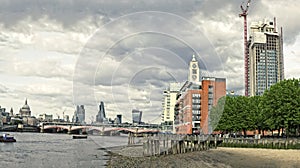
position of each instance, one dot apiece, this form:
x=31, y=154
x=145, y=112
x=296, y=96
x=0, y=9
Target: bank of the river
x=221, y=157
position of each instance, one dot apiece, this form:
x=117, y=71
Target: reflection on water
x=6, y=147
x=56, y=150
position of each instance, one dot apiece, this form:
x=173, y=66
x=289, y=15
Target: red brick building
x=194, y=102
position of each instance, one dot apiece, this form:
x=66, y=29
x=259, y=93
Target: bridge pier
x=69, y=130
x=42, y=128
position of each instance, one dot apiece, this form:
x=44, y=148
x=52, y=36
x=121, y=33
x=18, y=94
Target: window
x=194, y=71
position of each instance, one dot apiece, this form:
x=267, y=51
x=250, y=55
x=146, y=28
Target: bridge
x=103, y=129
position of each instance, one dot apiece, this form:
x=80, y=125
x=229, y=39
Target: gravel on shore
x=222, y=157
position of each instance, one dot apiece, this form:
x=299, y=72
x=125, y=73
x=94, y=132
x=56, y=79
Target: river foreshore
x=220, y=157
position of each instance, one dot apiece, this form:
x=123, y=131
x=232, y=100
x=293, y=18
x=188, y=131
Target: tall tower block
x=265, y=56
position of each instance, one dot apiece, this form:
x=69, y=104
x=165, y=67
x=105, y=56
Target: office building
x=265, y=56
x=79, y=115
x=101, y=116
x=119, y=119
x=136, y=116
x=169, y=100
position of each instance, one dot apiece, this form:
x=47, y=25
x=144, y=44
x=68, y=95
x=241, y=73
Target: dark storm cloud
x=134, y=56
x=69, y=12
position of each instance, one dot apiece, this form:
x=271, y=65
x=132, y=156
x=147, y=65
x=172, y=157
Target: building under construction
x=265, y=56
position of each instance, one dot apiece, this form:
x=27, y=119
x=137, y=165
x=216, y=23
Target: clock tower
x=194, y=70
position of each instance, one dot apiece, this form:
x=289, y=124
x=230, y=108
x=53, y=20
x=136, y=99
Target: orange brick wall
x=219, y=90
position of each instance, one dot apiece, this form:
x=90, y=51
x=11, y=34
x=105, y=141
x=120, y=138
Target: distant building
x=75, y=117
x=30, y=121
x=168, y=104
x=66, y=118
x=231, y=93
x=45, y=117
x=11, y=113
x=119, y=119
x=4, y=116
x=25, y=110
x=79, y=115
x=2, y=110
x=136, y=116
x=101, y=117
x=265, y=57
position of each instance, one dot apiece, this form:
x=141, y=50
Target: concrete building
x=265, y=56
x=101, y=116
x=25, y=110
x=169, y=100
x=136, y=116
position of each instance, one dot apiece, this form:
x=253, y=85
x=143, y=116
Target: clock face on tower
x=194, y=65
x=194, y=76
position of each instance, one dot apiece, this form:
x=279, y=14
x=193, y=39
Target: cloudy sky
x=62, y=53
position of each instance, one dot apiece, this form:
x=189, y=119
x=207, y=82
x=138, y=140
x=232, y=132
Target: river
x=56, y=150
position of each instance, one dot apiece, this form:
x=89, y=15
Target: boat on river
x=6, y=138
x=79, y=136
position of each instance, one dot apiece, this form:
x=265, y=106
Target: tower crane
x=246, y=58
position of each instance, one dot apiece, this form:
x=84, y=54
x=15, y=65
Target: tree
x=281, y=106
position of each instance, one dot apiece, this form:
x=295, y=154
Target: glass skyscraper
x=79, y=115
x=136, y=116
x=101, y=117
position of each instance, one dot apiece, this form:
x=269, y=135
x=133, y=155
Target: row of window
x=196, y=101
x=196, y=106
x=196, y=111
x=196, y=95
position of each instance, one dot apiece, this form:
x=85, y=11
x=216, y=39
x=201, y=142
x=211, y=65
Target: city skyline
x=41, y=44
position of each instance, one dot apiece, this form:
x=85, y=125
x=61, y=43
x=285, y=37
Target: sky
x=59, y=54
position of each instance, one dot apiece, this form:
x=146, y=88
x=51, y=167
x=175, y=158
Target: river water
x=56, y=150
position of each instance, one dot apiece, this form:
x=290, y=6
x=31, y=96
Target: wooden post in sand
x=167, y=147
x=129, y=140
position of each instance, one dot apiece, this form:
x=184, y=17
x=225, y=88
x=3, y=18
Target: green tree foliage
x=281, y=106
x=278, y=108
